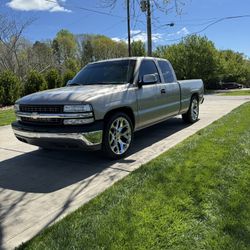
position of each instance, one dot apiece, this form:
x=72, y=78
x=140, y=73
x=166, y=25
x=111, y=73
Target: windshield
x=110, y=72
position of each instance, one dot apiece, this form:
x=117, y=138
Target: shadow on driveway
x=43, y=172
x=47, y=171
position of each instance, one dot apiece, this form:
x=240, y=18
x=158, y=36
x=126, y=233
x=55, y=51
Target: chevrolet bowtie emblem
x=34, y=115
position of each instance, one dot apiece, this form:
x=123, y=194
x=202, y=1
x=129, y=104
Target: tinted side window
x=166, y=71
x=148, y=67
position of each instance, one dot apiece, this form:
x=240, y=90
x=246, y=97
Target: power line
x=209, y=25
x=213, y=20
x=136, y=19
x=86, y=9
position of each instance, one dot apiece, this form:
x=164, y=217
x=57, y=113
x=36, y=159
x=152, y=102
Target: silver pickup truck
x=105, y=103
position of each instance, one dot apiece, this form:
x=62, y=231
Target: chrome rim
x=195, y=109
x=120, y=135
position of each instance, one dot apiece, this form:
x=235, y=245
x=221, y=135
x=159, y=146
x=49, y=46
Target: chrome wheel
x=119, y=135
x=195, y=109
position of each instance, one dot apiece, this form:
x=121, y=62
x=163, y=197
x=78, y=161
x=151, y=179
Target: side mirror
x=69, y=82
x=148, y=79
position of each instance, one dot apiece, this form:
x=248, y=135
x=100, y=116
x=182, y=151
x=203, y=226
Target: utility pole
x=149, y=30
x=145, y=7
x=128, y=19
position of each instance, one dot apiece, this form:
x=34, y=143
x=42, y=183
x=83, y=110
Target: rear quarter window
x=166, y=72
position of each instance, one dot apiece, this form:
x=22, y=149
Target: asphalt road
x=39, y=187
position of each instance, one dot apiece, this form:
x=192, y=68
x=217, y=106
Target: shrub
x=1, y=95
x=72, y=64
x=53, y=79
x=10, y=88
x=68, y=75
x=35, y=82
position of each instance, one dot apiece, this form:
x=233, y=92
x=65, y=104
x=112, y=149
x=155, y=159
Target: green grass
x=195, y=196
x=7, y=117
x=237, y=93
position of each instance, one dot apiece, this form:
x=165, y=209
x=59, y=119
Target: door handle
x=163, y=91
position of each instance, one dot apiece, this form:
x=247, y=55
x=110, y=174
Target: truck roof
x=128, y=58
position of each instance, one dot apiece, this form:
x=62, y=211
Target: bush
x=68, y=75
x=1, y=95
x=72, y=64
x=35, y=82
x=53, y=79
x=10, y=88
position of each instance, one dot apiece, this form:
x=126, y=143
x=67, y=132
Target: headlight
x=77, y=108
x=16, y=107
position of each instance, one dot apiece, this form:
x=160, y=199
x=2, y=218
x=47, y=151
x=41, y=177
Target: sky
x=92, y=17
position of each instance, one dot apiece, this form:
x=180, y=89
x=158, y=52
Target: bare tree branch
x=10, y=35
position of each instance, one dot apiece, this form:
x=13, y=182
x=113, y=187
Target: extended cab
x=105, y=103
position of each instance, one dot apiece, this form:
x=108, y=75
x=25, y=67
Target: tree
x=88, y=53
x=99, y=47
x=105, y=48
x=138, y=48
x=10, y=88
x=56, y=52
x=64, y=46
x=194, y=57
x=164, y=6
x=53, y=79
x=247, y=67
x=35, y=82
x=235, y=67
x=11, y=32
x=37, y=56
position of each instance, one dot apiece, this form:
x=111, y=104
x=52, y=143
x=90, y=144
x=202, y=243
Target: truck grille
x=42, y=121
x=50, y=109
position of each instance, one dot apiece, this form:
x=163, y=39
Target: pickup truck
x=105, y=103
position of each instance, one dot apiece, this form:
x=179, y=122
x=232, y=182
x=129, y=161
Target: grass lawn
x=195, y=196
x=237, y=93
x=7, y=117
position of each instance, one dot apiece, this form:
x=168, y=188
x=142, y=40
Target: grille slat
x=42, y=121
x=51, y=109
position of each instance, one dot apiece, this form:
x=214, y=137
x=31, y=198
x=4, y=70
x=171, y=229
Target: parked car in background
x=105, y=103
x=231, y=85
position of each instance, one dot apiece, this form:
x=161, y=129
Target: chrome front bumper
x=86, y=140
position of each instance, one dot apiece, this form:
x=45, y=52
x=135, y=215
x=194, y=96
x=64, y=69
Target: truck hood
x=71, y=95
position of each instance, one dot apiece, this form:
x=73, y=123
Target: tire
x=192, y=115
x=117, y=136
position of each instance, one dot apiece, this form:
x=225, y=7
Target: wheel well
x=128, y=111
x=195, y=95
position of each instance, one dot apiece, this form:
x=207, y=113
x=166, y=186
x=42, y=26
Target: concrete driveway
x=38, y=187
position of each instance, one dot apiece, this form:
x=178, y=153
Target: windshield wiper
x=95, y=83
x=74, y=84
x=109, y=83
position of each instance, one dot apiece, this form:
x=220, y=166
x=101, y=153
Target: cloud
x=37, y=5
x=138, y=35
x=182, y=32
x=157, y=38
x=117, y=39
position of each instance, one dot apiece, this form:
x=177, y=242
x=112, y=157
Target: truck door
x=148, y=94
x=169, y=100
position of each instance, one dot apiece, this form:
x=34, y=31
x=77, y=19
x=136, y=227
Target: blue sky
x=53, y=15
